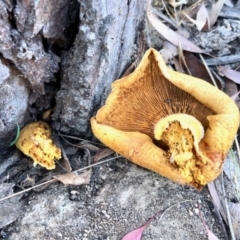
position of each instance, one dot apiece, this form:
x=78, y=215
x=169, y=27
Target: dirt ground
x=119, y=198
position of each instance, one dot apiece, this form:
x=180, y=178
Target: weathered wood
x=102, y=49
x=27, y=31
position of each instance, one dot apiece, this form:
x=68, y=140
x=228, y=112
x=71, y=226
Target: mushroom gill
x=141, y=99
x=174, y=124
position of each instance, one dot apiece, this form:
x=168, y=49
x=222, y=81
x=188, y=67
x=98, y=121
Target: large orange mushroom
x=176, y=125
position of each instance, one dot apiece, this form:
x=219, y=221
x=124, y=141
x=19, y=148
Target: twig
x=209, y=72
x=218, y=206
x=219, y=79
x=223, y=60
x=237, y=146
x=221, y=221
x=216, y=200
x=174, y=206
x=80, y=139
x=165, y=18
x=230, y=12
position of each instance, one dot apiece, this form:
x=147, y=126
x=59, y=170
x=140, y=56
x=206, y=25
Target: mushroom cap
x=35, y=141
x=145, y=100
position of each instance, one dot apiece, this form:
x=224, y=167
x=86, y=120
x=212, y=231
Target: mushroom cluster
x=35, y=141
x=176, y=125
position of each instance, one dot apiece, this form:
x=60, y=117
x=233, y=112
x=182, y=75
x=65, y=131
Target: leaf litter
x=74, y=178
x=9, y=196
x=202, y=18
x=171, y=35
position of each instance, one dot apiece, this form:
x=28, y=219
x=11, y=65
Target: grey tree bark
x=103, y=47
x=62, y=53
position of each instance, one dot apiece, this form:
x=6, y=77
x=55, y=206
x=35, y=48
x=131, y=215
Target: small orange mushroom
x=35, y=141
x=176, y=125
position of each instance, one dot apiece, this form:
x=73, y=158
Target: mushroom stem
x=182, y=133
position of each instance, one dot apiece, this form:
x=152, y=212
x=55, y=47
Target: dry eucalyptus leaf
x=230, y=73
x=172, y=36
x=75, y=179
x=214, y=13
x=90, y=146
x=64, y=162
x=231, y=89
x=197, y=69
x=211, y=235
x=102, y=153
x=202, y=18
x=199, y=23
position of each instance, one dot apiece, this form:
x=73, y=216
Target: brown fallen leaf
x=74, y=179
x=102, y=153
x=64, y=162
x=230, y=73
x=197, y=69
x=172, y=36
x=231, y=89
x=202, y=18
x=189, y=11
x=89, y=146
